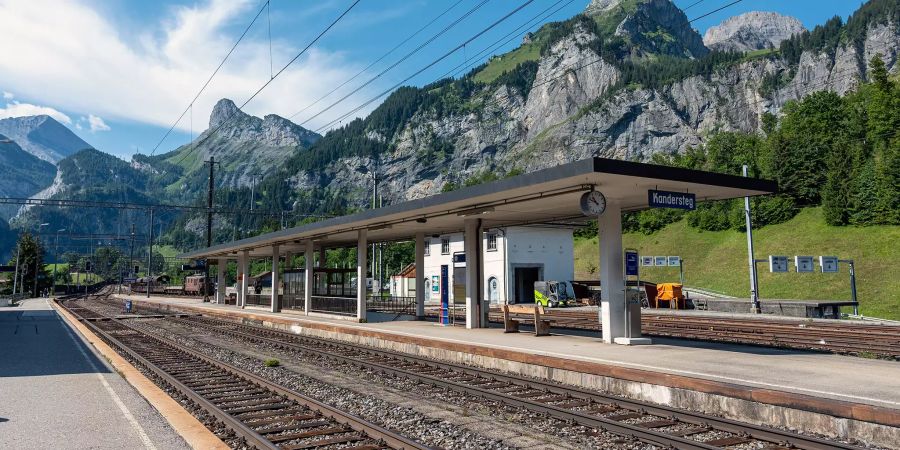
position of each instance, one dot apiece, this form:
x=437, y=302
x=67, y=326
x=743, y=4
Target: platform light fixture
x=475, y=211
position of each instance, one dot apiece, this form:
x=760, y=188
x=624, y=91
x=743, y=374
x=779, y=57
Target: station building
x=512, y=258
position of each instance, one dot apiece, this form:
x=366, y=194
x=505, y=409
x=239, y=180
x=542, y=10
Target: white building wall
x=551, y=249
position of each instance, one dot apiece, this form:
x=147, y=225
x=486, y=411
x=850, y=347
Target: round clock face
x=593, y=203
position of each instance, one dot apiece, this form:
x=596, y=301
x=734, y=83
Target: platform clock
x=593, y=203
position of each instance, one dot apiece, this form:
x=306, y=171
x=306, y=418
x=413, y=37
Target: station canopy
x=548, y=197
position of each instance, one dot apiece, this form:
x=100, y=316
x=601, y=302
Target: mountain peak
x=755, y=30
x=650, y=26
x=224, y=110
x=601, y=6
x=42, y=136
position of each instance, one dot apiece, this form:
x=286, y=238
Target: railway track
x=653, y=424
x=855, y=339
x=265, y=415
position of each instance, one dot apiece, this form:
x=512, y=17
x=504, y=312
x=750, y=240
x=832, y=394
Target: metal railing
x=293, y=301
x=259, y=299
x=345, y=306
x=391, y=304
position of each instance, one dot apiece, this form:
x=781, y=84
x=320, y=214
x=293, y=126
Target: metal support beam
x=361, y=270
x=276, y=280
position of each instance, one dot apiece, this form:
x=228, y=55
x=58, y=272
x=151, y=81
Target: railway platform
x=797, y=389
x=55, y=392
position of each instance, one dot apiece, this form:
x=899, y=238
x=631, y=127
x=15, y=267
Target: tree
x=799, y=147
x=31, y=263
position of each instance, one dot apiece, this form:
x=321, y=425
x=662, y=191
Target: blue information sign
x=666, y=199
x=445, y=295
x=631, y=263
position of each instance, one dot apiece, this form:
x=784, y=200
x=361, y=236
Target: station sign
x=829, y=264
x=804, y=264
x=660, y=261
x=667, y=199
x=631, y=263
x=778, y=264
x=647, y=261
x=674, y=261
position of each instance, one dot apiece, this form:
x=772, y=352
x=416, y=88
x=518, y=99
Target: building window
x=493, y=288
x=427, y=247
x=492, y=242
x=445, y=246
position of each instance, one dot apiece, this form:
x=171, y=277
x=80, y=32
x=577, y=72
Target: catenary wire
x=385, y=55
x=208, y=80
x=266, y=84
x=398, y=62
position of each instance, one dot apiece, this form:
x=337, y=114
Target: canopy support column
x=243, y=274
x=474, y=305
x=220, y=280
x=612, y=279
x=361, y=269
x=276, y=280
x=308, y=255
x=420, y=275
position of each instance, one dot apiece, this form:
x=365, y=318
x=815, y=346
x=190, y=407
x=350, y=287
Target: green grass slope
x=718, y=260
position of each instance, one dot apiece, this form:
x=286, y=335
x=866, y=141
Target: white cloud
x=16, y=109
x=68, y=54
x=8, y=95
x=97, y=123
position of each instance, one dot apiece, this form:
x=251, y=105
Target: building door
x=525, y=278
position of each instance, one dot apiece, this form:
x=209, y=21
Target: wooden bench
x=536, y=313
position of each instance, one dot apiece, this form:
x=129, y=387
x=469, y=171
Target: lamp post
x=36, y=257
x=56, y=259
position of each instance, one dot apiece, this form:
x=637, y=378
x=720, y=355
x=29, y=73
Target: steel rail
x=242, y=430
x=358, y=424
x=740, y=428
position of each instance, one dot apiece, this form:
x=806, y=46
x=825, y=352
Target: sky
x=120, y=73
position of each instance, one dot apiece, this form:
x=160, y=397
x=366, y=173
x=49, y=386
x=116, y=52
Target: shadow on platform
x=38, y=343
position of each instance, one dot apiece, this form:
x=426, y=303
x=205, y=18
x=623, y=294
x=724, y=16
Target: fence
x=259, y=299
x=333, y=305
x=293, y=301
x=391, y=304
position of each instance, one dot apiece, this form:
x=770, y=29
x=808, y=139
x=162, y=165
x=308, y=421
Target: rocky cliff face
x=570, y=114
x=752, y=31
x=43, y=137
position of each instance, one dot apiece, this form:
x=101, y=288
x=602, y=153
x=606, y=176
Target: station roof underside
x=545, y=197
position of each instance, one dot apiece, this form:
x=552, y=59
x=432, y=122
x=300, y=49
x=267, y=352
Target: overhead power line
x=538, y=19
x=65, y=203
x=208, y=80
x=373, y=63
x=715, y=11
x=269, y=81
x=692, y=5
x=398, y=62
x=429, y=65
